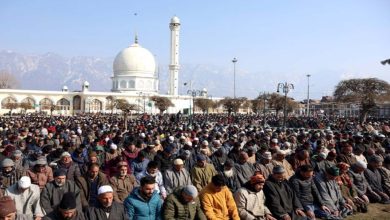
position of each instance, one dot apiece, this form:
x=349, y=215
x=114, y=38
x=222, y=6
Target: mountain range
x=51, y=71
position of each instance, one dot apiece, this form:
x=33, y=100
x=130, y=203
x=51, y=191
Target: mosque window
x=123, y=84
x=132, y=84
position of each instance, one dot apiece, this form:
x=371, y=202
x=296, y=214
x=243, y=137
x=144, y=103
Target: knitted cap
x=68, y=201
x=191, y=191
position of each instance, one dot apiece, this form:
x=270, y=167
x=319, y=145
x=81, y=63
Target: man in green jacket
x=183, y=204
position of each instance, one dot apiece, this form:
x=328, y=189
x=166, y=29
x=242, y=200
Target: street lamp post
x=286, y=87
x=194, y=93
x=265, y=99
x=234, y=79
x=308, y=95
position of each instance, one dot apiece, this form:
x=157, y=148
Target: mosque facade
x=135, y=79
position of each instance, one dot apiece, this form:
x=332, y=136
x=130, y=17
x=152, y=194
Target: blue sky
x=275, y=40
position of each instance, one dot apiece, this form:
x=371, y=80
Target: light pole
x=308, y=95
x=285, y=88
x=194, y=93
x=265, y=99
x=234, y=79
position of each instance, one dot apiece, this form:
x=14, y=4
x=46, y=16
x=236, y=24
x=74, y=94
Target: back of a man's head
x=147, y=180
x=218, y=180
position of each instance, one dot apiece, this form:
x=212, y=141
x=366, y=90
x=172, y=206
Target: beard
x=228, y=173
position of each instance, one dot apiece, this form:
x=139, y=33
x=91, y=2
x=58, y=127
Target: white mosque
x=134, y=79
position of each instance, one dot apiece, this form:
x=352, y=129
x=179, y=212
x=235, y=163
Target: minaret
x=174, y=65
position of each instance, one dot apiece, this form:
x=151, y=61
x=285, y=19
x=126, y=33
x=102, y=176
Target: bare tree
x=368, y=92
x=204, y=104
x=25, y=106
x=162, y=103
x=126, y=109
x=7, y=80
x=232, y=104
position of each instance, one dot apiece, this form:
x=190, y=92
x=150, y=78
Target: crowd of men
x=215, y=167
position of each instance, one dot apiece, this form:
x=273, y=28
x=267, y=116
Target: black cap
x=278, y=170
x=59, y=172
x=68, y=201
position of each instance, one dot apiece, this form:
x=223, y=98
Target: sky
x=274, y=41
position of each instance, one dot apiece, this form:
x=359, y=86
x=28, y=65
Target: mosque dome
x=175, y=20
x=134, y=60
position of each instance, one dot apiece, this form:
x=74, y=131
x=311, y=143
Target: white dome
x=134, y=60
x=175, y=20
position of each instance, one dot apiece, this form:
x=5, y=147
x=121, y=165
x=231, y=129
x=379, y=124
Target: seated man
x=177, y=176
x=374, y=178
x=67, y=209
x=144, y=202
x=52, y=193
x=152, y=170
x=23, y=192
x=303, y=184
x=202, y=173
x=250, y=200
x=331, y=195
x=122, y=183
x=217, y=200
x=105, y=207
x=183, y=204
x=280, y=197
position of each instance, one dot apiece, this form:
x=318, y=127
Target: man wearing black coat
x=281, y=198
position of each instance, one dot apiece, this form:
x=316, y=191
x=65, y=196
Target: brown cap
x=122, y=163
x=7, y=206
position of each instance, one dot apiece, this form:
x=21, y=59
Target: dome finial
x=136, y=38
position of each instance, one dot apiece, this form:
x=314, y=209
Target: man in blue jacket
x=144, y=203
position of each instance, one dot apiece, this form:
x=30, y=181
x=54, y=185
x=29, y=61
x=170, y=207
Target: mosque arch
x=95, y=105
x=77, y=103
x=9, y=103
x=110, y=103
x=27, y=103
x=46, y=104
x=63, y=104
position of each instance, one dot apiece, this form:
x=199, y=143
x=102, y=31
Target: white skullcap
x=274, y=140
x=113, y=147
x=24, y=182
x=205, y=142
x=361, y=164
x=65, y=154
x=105, y=189
x=171, y=138
x=189, y=143
x=283, y=152
x=178, y=161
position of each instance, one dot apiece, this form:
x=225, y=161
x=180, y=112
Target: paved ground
x=375, y=212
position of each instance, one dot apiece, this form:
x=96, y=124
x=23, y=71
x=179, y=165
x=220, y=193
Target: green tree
x=162, y=103
x=367, y=92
